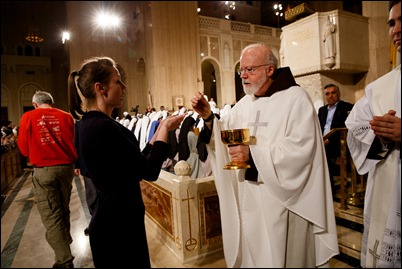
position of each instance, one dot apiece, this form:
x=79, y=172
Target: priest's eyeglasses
x=249, y=70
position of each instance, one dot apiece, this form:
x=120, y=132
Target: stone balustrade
x=11, y=167
x=184, y=213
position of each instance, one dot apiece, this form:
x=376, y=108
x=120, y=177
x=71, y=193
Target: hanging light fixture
x=229, y=6
x=278, y=11
x=33, y=36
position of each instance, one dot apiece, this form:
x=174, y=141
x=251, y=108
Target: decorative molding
x=298, y=11
x=158, y=206
x=210, y=221
x=178, y=101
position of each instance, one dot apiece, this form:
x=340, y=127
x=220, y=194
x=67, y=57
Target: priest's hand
x=239, y=153
x=387, y=127
x=201, y=105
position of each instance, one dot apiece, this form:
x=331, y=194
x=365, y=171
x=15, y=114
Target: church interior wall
x=171, y=62
x=314, y=85
x=309, y=36
x=125, y=44
x=326, y=5
x=379, y=42
x=301, y=47
x=352, y=60
x=353, y=41
x=247, y=11
x=174, y=43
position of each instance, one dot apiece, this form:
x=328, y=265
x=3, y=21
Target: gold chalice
x=232, y=138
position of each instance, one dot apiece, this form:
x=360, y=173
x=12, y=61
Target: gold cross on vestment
x=374, y=253
x=257, y=123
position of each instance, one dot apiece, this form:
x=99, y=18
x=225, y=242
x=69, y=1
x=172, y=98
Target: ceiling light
x=35, y=38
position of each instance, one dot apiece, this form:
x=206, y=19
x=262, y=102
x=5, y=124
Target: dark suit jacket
x=341, y=113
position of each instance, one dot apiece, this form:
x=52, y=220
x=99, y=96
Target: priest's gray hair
x=271, y=59
x=42, y=97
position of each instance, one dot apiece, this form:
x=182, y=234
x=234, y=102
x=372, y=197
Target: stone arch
x=28, y=50
x=210, y=70
x=20, y=50
x=5, y=101
x=238, y=84
x=26, y=92
x=37, y=51
x=5, y=95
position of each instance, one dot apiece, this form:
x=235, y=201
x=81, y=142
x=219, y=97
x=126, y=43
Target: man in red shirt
x=46, y=137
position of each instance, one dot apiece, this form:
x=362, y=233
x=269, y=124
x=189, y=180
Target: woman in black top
x=115, y=163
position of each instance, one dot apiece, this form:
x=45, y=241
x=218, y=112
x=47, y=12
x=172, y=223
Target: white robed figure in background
x=278, y=213
x=382, y=205
x=374, y=139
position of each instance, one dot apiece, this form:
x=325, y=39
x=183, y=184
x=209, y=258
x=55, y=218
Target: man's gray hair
x=271, y=59
x=41, y=97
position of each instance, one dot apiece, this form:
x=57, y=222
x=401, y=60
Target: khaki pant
x=52, y=189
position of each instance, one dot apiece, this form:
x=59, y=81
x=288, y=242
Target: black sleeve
x=376, y=151
x=173, y=145
x=252, y=172
x=76, y=144
x=206, y=133
x=202, y=150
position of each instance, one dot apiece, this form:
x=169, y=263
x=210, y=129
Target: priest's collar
x=282, y=80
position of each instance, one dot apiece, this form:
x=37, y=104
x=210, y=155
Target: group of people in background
x=9, y=135
x=277, y=213
x=184, y=143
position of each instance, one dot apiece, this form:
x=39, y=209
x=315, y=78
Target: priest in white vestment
x=374, y=137
x=279, y=212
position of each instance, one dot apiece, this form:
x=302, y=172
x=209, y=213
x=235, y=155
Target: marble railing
x=11, y=167
x=236, y=27
x=184, y=213
x=346, y=164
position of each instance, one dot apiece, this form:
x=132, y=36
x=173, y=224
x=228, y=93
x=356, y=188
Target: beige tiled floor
x=23, y=243
x=161, y=257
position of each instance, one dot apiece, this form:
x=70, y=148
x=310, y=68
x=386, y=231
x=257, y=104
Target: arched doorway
x=4, y=103
x=210, y=79
x=239, y=86
x=26, y=93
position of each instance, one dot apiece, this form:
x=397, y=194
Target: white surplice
x=137, y=128
x=144, y=132
x=381, y=244
x=193, y=159
x=293, y=177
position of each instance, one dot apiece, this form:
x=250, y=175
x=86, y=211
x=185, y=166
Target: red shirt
x=46, y=137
